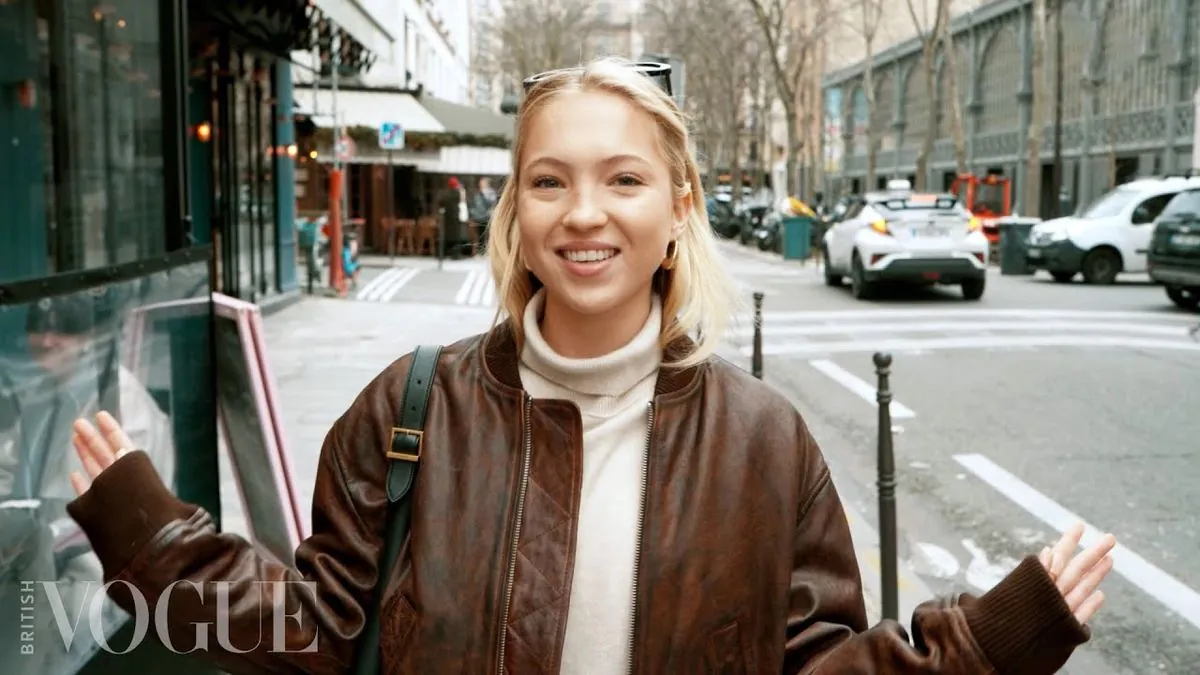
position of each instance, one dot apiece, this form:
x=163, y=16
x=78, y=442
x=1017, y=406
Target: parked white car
x=1110, y=236
x=901, y=236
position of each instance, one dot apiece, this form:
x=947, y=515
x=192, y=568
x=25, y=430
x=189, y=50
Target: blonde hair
x=698, y=293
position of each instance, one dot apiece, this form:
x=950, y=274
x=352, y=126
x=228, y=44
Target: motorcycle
x=768, y=235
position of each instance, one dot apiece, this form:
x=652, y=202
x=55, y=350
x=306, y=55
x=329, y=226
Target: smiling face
x=596, y=204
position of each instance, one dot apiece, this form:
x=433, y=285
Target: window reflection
x=101, y=121
x=115, y=348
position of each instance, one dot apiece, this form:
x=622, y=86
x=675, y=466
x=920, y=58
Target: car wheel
x=1184, y=298
x=972, y=289
x=860, y=288
x=832, y=277
x=1063, y=277
x=1101, y=266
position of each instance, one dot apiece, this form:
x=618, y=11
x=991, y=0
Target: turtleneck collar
x=612, y=374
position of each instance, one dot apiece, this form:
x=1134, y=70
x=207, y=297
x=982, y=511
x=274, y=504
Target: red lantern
x=26, y=94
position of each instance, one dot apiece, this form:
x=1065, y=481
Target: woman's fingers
x=1089, y=608
x=1083, y=564
x=1064, y=550
x=1087, y=585
x=79, y=483
x=113, y=433
x=95, y=443
x=90, y=464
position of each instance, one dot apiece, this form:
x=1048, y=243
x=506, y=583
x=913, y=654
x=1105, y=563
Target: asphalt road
x=1013, y=416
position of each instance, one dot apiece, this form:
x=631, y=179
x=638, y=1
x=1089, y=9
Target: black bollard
x=756, y=360
x=887, y=491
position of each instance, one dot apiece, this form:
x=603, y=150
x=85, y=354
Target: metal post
x=336, y=184
x=756, y=363
x=394, y=229
x=887, y=490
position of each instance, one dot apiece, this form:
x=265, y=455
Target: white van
x=1109, y=236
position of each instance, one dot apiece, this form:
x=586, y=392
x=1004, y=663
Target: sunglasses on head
x=659, y=73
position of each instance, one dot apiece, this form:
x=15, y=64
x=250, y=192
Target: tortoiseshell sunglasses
x=660, y=73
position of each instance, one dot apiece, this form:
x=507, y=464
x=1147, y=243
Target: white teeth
x=589, y=256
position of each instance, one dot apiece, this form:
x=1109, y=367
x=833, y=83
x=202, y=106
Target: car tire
x=972, y=289
x=832, y=277
x=860, y=288
x=1063, y=277
x=1184, y=298
x=1100, y=266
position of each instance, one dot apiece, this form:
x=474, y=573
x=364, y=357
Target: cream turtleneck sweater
x=613, y=393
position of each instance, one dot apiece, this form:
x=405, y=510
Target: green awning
x=469, y=120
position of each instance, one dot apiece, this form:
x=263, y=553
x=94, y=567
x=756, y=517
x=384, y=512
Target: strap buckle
x=406, y=444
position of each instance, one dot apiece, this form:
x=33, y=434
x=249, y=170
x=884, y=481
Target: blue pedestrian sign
x=391, y=136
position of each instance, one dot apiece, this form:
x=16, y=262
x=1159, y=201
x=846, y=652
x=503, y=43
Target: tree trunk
x=956, y=116
x=872, y=133
x=1033, y=142
x=926, y=152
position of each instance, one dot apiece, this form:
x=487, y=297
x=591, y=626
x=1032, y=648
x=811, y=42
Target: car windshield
x=1109, y=204
x=1187, y=201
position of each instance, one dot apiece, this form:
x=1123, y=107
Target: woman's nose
x=586, y=211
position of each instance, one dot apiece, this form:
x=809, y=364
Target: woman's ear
x=682, y=209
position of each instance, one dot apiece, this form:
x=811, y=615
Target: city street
x=1015, y=415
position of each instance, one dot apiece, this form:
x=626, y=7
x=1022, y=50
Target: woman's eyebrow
x=559, y=163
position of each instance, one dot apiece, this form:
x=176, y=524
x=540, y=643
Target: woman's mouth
x=589, y=256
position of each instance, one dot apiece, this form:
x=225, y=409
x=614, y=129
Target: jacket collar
x=501, y=361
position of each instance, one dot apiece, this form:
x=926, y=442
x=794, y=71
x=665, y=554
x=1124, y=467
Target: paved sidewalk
x=324, y=351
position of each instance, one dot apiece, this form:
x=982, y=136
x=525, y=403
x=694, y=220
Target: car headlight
x=1058, y=235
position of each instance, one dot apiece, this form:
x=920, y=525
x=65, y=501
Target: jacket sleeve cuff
x=126, y=506
x=1024, y=619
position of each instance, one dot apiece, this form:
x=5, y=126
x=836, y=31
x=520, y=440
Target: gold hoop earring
x=668, y=262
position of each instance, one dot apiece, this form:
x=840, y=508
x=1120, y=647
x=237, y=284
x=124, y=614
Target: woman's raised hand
x=1078, y=576
x=98, y=448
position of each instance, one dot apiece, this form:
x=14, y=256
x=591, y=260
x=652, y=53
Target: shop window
x=139, y=349
x=101, y=125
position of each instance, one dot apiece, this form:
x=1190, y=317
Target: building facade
x=147, y=161
x=1130, y=70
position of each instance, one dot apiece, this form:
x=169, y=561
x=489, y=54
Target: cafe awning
x=365, y=108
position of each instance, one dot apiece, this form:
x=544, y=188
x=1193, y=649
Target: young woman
x=598, y=493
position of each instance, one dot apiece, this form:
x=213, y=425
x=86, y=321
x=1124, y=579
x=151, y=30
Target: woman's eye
x=545, y=182
x=628, y=179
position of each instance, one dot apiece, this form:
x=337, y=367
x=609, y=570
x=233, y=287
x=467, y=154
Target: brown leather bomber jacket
x=746, y=563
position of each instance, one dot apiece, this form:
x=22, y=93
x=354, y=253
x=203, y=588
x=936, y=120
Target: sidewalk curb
x=911, y=589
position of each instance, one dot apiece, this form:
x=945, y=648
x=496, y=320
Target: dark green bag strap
x=404, y=454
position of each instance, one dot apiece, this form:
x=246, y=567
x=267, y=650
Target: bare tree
x=718, y=49
x=929, y=37
x=531, y=36
x=1033, y=141
x=950, y=68
x=791, y=30
x=866, y=23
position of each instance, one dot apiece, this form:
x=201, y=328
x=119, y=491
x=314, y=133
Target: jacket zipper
x=641, y=527
x=527, y=436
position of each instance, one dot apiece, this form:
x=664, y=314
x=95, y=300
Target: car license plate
x=1185, y=240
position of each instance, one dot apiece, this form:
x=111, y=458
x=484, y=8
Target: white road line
x=481, y=282
x=370, y=287
x=489, y=291
x=850, y=314
x=1156, y=583
x=858, y=387
x=394, y=288
x=835, y=328
x=465, y=289
x=977, y=342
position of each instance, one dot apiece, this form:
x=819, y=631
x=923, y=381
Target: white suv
x=1109, y=236
x=901, y=236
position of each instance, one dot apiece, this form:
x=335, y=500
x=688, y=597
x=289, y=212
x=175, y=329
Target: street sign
x=391, y=136
x=345, y=148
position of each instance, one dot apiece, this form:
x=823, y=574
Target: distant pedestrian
x=598, y=493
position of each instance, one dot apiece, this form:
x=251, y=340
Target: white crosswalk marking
x=477, y=289
x=386, y=286
x=818, y=334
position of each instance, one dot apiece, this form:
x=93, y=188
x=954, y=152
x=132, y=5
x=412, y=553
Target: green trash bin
x=1014, y=236
x=797, y=236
